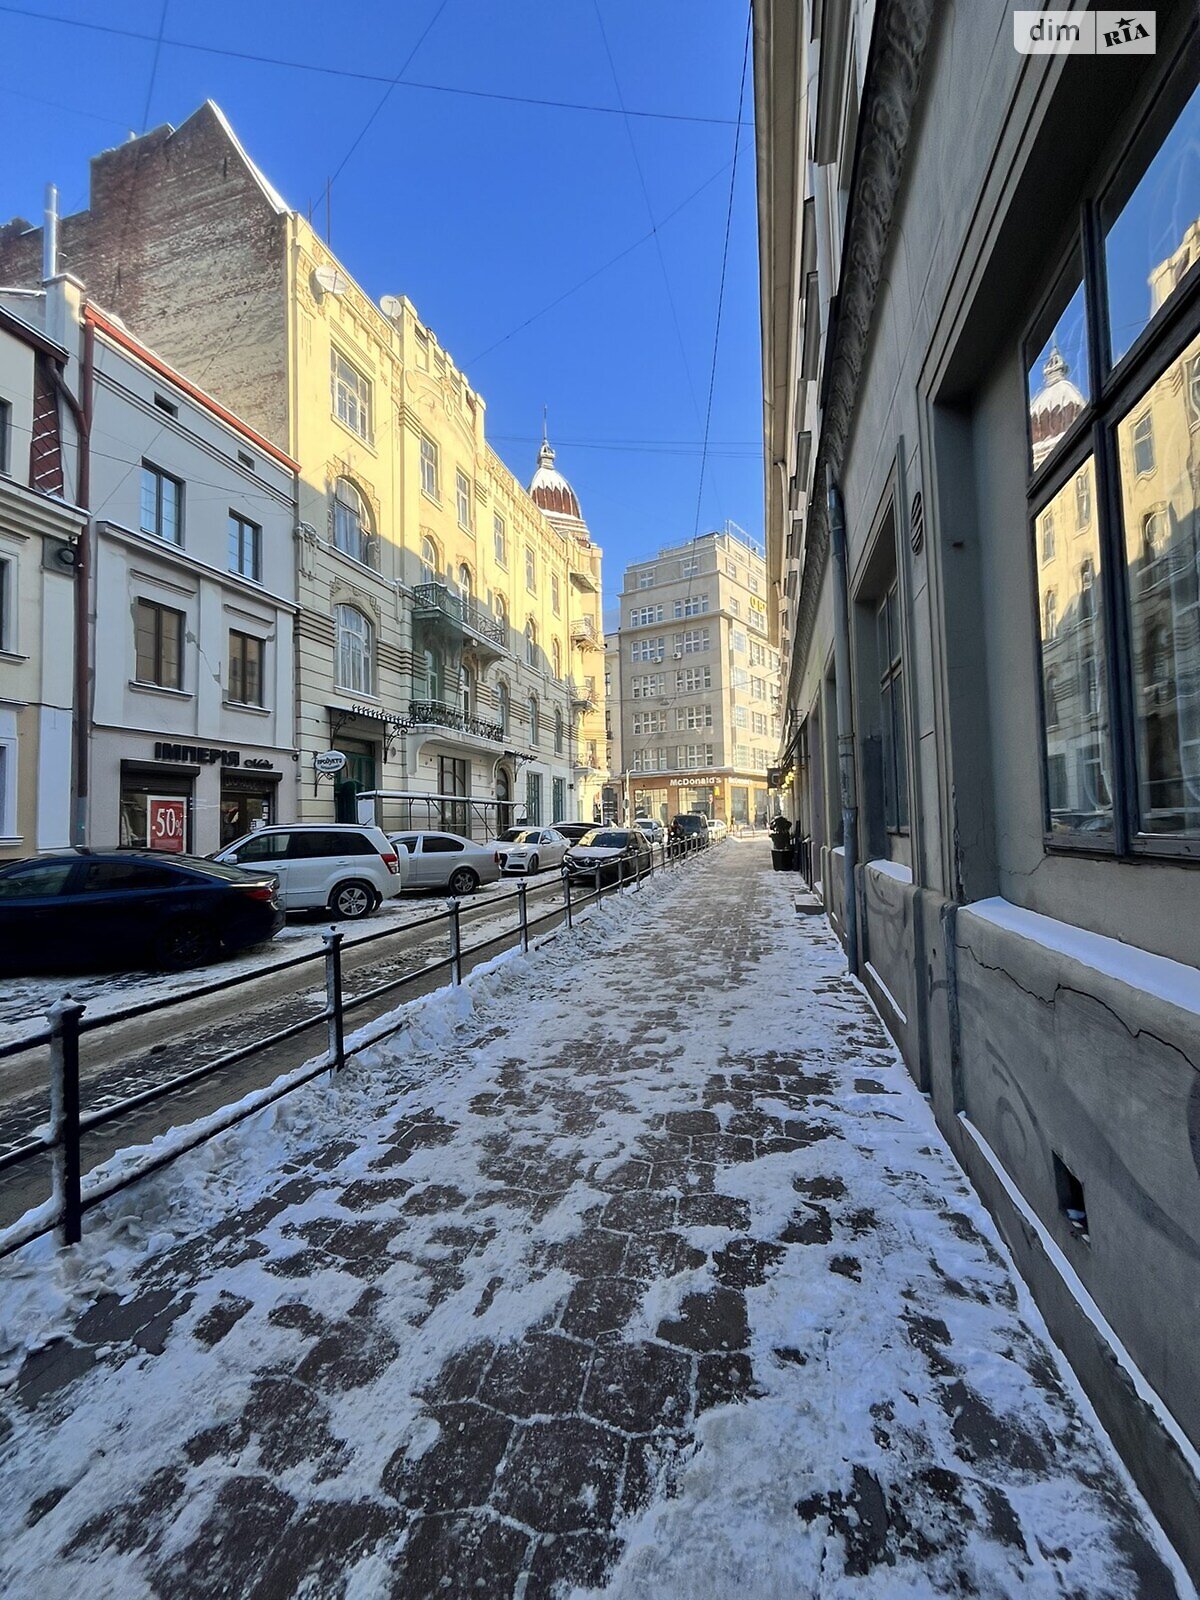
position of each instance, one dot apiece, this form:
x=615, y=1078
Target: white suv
x=346, y=867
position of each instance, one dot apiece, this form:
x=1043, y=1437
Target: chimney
x=50, y=235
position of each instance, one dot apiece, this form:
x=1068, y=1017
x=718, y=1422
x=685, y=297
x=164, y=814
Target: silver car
x=534, y=850
x=438, y=860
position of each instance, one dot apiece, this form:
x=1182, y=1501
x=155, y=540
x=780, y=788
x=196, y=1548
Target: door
x=119, y=904
x=357, y=775
x=269, y=851
x=36, y=915
x=439, y=856
x=316, y=861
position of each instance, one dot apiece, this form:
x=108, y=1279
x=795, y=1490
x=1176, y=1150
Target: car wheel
x=181, y=945
x=533, y=864
x=352, y=900
x=463, y=881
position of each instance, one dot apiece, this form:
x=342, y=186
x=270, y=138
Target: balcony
x=581, y=695
x=585, y=633
x=585, y=572
x=435, y=604
x=435, y=713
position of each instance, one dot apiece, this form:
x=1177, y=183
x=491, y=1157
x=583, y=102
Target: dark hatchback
x=96, y=910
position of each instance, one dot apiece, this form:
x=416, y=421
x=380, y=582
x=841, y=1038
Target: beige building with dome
x=447, y=635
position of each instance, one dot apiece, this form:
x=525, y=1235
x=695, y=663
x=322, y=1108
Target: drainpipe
x=845, y=723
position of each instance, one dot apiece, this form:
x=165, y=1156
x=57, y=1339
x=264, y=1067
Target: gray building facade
x=981, y=313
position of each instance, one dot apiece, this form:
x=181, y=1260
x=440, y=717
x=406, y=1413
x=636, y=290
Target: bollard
x=620, y=875
x=455, y=942
x=64, y=1117
x=335, y=1023
x=566, y=872
x=523, y=908
x=598, y=889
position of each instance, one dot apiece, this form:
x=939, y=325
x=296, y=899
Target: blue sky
x=482, y=211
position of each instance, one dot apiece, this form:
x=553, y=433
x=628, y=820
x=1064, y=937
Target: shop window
x=453, y=775
x=158, y=645
x=162, y=504
x=354, y=650
x=245, y=668
x=1122, y=768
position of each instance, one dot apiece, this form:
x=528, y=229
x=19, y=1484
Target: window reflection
x=1057, y=383
x=1074, y=698
x=1162, y=554
x=1156, y=237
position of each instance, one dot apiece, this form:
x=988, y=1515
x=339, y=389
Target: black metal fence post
x=64, y=1117
x=452, y=907
x=596, y=885
x=523, y=908
x=335, y=1021
x=567, y=895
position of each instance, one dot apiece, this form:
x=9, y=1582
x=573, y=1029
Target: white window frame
x=351, y=395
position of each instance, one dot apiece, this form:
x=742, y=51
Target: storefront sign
x=166, y=822
x=200, y=755
x=697, y=780
x=329, y=761
x=259, y=763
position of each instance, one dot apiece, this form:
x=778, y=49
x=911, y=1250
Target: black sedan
x=97, y=909
x=613, y=852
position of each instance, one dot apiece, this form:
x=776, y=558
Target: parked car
x=348, y=868
x=503, y=842
x=717, y=829
x=438, y=860
x=651, y=827
x=533, y=850
x=574, y=831
x=100, y=909
x=689, y=825
x=607, y=848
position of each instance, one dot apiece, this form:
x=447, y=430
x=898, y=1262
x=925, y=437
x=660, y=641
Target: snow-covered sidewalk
x=636, y=1265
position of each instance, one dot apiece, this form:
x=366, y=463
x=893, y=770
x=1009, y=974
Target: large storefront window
x=1114, y=519
x=453, y=775
x=156, y=810
x=246, y=803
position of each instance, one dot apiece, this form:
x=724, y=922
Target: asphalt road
x=124, y=1058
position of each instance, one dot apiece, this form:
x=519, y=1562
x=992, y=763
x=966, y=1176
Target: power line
x=162, y=22
x=361, y=77
x=408, y=60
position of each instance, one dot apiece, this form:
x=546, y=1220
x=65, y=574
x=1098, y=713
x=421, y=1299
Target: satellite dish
x=391, y=305
x=330, y=281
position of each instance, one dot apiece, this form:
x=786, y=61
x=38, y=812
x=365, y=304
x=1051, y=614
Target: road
x=121, y=1060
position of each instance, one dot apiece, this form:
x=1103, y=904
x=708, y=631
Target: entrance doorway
x=357, y=775
x=246, y=803
x=504, y=810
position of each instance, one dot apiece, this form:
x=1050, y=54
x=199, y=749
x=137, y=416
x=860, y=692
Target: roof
x=550, y=490
x=1058, y=391
x=272, y=194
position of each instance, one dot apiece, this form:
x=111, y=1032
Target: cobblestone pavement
x=636, y=1266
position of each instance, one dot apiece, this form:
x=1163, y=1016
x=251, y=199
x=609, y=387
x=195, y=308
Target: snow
x=1172, y=981
x=886, y=992
x=567, y=1021
x=892, y=869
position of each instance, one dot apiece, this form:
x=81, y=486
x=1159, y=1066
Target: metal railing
x=69, y=1123
x=584, y=630
x=442, y=715
x=456, y=608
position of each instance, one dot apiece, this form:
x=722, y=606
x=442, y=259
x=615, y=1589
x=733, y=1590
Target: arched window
x=464, y=581
x=1051, y=614
x=1052, y=699
x=500, y=606
x=558, y=733
x=355, y=651
x=556, y=657
x=429, y=560
x=533, y=719
x=531, y=642
x=433, y=676
x=352, y=531
x=467, y=684
x=1087, y=591
x=502, y=703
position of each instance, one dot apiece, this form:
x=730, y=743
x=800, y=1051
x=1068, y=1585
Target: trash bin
x=781, y=860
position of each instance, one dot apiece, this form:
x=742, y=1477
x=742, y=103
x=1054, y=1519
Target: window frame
x=1116, y=389
x=238, y=527
x=431, y=473
x=161, y=476
x=160, y=610
x=366, y=406
x=245, y=639
x=369, y=638
x=464, y=501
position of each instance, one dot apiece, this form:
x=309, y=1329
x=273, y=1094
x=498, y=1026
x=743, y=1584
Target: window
x=555, y=595
x=647, y=578
x=33, y=879
x=689, y=757
x=556, y=657
x=158, y=645
x=355, y=651
x=741, y=717
x=690, y=680
x=689, y=717
x=245, y=668
x=558, y=803
x=1083, y=501
x=891, y=708
x=533, y=799
x=503, y=706
x=533, y=719
x=531, y=649
x=738, y=641
x=649, y=722
x=689, y=566
x=645, y=616
x=558, y=733
x=429, y=468
x=453, y=779
x=162, y=505
x=758, y=654
x=753, y=584
x=692, y=605
x=530, y=569
x=1143, y=444
x=647, y=649
x=758, y=722
x=465, y=584
x=1048, y=535
x=500, y=540
x=351, y=395
x=421, y=342
x=245, y=459
x=429, y=560
x=352, y=533
x=466, y=684
x=646, y=687
x=501, y=607
x=692, y=641
x=5, y=435
x=1192, y=391
x=163, y=404
x=8, y=607
x=433, y=676
x=245, y=547
x=462, y=495
x=735, y=607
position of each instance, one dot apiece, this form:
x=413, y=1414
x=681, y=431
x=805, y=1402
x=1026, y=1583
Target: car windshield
x=600, y=840
x=530, y=836
x=512, y=835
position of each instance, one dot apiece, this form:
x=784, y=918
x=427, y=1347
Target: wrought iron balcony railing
x=468, y=614
x=444, y=716
x=584, y=631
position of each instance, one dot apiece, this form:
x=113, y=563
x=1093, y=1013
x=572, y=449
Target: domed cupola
x=1055, y=406
x=550, y=489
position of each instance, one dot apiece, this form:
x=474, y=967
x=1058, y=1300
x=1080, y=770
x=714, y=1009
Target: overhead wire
x=326, y=70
